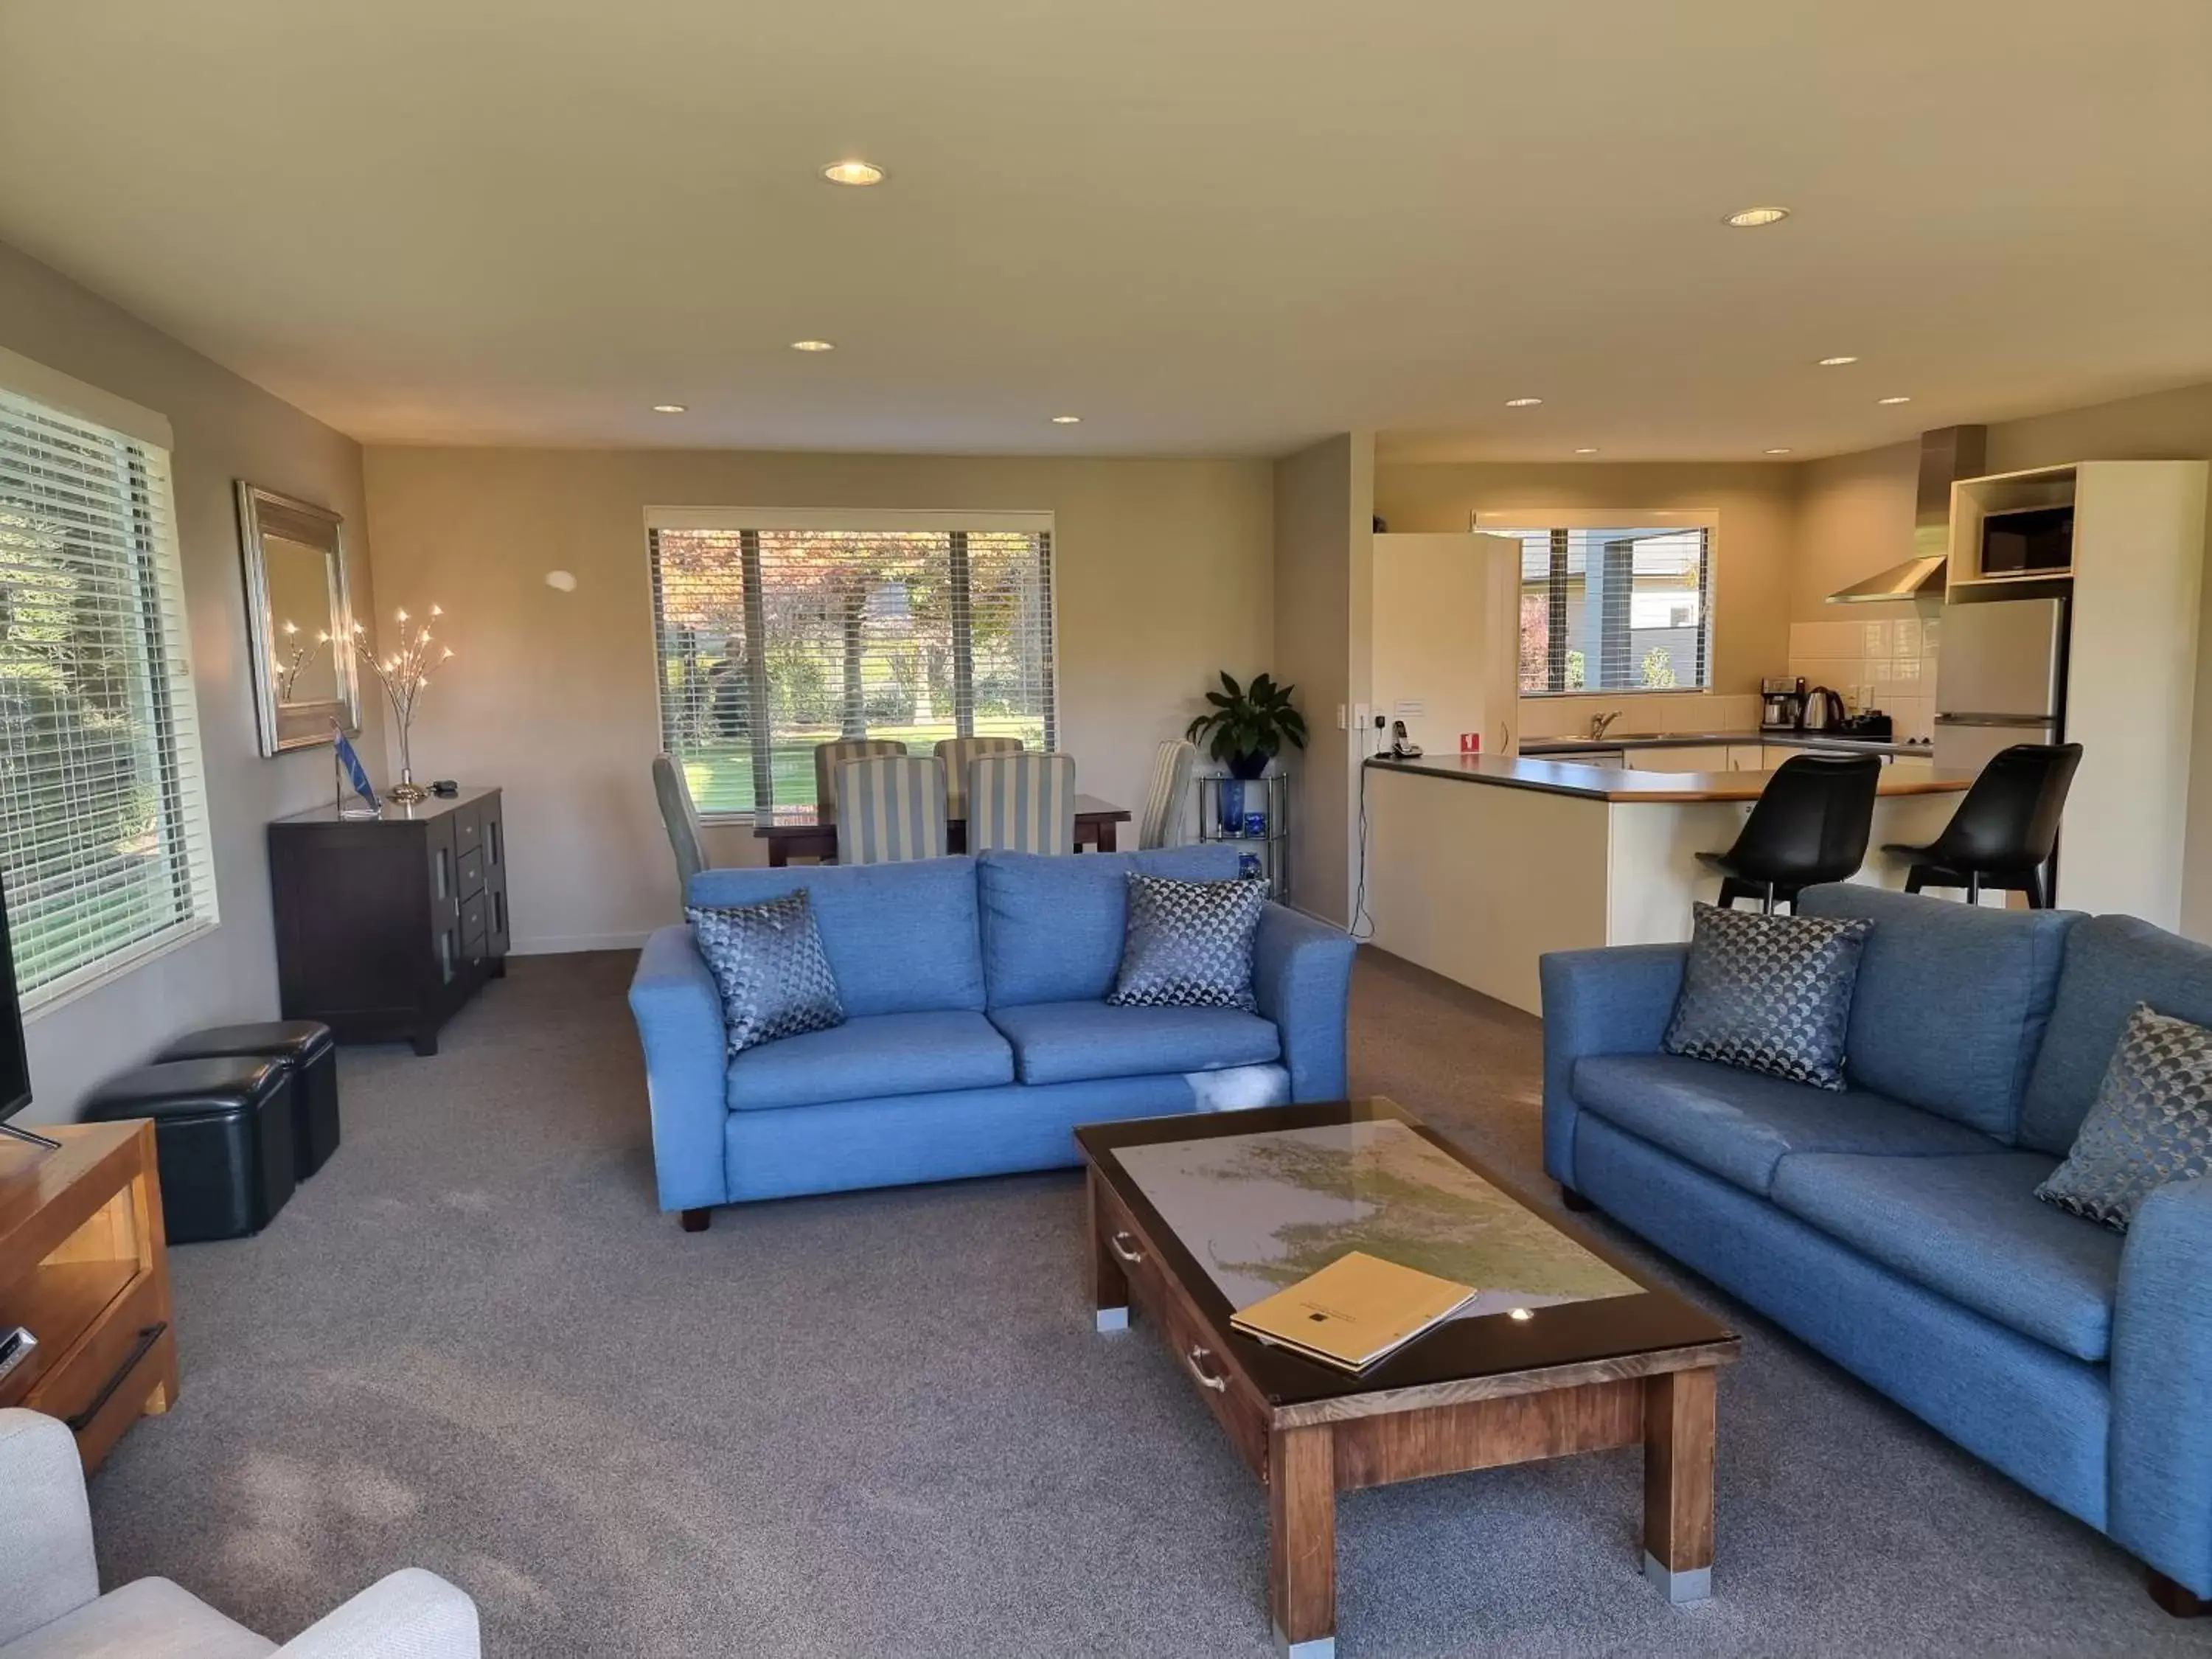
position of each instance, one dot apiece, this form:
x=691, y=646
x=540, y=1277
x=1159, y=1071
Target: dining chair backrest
x=829, y=756
x=955, y=753
x=891, y=808
x=2008, y=820
x=1022, y=803
x=681, y=817
x=1165, y=811
x=1812, y=822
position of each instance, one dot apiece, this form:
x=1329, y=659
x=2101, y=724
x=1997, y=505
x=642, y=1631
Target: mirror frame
x=294, y=725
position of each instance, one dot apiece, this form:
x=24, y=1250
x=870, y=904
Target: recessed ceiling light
x=1836, y=362
x=1784, y=450
x=1522, y=403
x=1752, y=218
x=668, y=409
x=1067, y=420
x=812, y=345
x=1892, y=400
x=1592, y=451
x=854, y=173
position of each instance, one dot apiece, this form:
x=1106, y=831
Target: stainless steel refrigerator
x=2000, y=679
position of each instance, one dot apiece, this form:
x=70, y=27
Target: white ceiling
x=1219, y=227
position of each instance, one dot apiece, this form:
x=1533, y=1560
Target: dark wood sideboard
x=385, y=927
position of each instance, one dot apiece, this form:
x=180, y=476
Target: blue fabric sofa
x=1895, y=1226
x=977, y=1034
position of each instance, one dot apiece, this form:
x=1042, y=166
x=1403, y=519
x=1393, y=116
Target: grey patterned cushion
x=1188, y=944
x=768, y=961
x=2152, y=1122
x=1769, y=993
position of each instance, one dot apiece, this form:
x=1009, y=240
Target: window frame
x=1570, y=519
x=749, y=522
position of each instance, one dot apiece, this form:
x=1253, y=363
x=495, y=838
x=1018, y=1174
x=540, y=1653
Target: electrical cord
x=1361, y=930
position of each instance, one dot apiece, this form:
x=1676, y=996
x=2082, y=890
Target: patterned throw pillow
x=2151, y=1124
x=767, y=961
x=1769, y=993
x=1188, y=944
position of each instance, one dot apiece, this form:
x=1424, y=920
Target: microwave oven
x=2027, y=540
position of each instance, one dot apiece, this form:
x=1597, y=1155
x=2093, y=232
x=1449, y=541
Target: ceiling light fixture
x=1522, y=403
x=1835, y=362
x=1592, y=451
x=812, y=345
x=668, y=409
x=1892, y=400
x=1752, y=218
x=854, y=173
x=1784, y=450
x=1067, y=420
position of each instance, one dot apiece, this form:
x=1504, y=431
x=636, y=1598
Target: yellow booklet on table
x=1354, y=1311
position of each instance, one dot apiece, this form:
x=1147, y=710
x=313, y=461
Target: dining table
x=805, y=832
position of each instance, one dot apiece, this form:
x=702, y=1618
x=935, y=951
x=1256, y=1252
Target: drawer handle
x=1206, y=1379
x=147, y=1339
x=1129, y=1258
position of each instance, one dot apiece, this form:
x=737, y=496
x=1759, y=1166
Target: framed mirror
x=298, y=619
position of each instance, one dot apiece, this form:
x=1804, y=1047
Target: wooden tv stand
x=84, y=1263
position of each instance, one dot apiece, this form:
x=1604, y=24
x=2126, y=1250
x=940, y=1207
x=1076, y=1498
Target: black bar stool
x=2005, y=829
x=1810, y=824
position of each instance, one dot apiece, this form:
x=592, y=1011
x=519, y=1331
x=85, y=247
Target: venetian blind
x=1622, y=609
x=104, y=840
x=777, y=633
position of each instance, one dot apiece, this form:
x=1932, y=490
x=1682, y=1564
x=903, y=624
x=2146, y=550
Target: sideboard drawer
x=473, y=912
x=470, y=880
x=468, y=829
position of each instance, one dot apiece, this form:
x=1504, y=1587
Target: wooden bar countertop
x=1612, y=783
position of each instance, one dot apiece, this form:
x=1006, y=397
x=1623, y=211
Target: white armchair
x=51, y=1606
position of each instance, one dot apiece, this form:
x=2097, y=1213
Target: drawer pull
x=1129, y=1257
x=147, y=1339
x=1206, y=1379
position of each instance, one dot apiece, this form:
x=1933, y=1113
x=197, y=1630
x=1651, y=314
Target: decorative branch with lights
x=404, y=674
x=298, y=653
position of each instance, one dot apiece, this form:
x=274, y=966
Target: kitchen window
x=776, y=631
x=1623, y=605
x=104, y=833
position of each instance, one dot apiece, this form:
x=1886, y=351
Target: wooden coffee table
x=1567, y=1351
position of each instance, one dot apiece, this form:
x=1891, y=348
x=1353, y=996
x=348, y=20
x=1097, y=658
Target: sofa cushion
x=2112, y=963
x=1768, y=994
x=768, y=965
x=871, y=1056
x=1052, y=926
x=900, y=938
x=147, y=1618
x=1188, y=944
x=1970, y=1229
x=1952, y=1001
x=1071, y=1042
x=2152, y=1124
x=1739, y=1126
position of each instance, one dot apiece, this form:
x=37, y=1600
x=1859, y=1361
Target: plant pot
x=1247, y=767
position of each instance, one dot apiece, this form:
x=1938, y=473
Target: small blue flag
x=356, y=773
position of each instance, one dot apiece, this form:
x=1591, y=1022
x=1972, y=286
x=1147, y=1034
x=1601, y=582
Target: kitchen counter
x=1565, y=746
x=1613, y=783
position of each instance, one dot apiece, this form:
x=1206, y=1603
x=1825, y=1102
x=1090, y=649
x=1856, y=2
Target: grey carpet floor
x=882, y=1425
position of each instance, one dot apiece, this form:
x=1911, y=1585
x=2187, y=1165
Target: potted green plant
x=1245, y=729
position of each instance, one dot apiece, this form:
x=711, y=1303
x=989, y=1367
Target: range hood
x=1947, y=454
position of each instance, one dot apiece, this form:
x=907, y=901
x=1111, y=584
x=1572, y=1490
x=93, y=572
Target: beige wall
x=1162, y=569
x=225, y=428
x=1324, y=582
x=1751, y=549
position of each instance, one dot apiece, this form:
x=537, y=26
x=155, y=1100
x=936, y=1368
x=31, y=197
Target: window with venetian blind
x=104, y=840
x=1618, y=607
x=778, y=631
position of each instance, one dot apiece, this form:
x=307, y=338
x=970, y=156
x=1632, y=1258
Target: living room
x=736, y=391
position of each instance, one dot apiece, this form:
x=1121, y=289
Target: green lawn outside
x=721, y=775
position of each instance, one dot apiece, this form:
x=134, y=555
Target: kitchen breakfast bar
x=1478, y=864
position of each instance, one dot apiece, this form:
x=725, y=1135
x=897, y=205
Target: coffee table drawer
x=1228, y=1395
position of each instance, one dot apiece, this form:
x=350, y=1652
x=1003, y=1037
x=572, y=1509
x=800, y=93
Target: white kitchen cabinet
x=1447, y=633
x=1747, y=757
x=1700, y=758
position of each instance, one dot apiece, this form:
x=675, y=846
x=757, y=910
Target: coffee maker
x=1781, y=705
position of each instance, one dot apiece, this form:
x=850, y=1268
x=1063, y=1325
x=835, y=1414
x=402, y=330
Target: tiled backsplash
x=1889, y=665
x=1653, y=712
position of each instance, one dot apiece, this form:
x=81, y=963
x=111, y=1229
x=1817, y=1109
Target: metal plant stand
x=1254, y=815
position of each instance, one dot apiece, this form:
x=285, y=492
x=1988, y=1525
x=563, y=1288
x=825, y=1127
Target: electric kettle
x=1824, y=710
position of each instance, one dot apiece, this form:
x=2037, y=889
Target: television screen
x=14, y=1067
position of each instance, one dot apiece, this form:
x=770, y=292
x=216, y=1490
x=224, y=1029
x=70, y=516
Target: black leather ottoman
x=310, y=1057
x=222, y=1132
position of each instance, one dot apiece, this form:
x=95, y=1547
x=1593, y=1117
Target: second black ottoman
x=310, y=1057
x=222, y=1133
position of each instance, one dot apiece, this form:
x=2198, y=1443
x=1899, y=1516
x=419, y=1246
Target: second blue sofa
x=977, y=1034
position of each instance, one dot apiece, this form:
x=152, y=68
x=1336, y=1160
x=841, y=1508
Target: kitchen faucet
x=1600, y=722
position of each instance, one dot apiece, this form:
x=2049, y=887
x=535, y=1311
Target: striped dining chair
x=682, y=819
x=955, y=753
x=1022, y=803
x=891, y=808
x=829, y=756
x=1167, y=812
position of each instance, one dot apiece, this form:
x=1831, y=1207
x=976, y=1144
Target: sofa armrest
x=2160, y=1498
x=46, y=1567
x=1302, y=976
x=1617, y=1001
x=411, y=1614
x=678, y=1010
